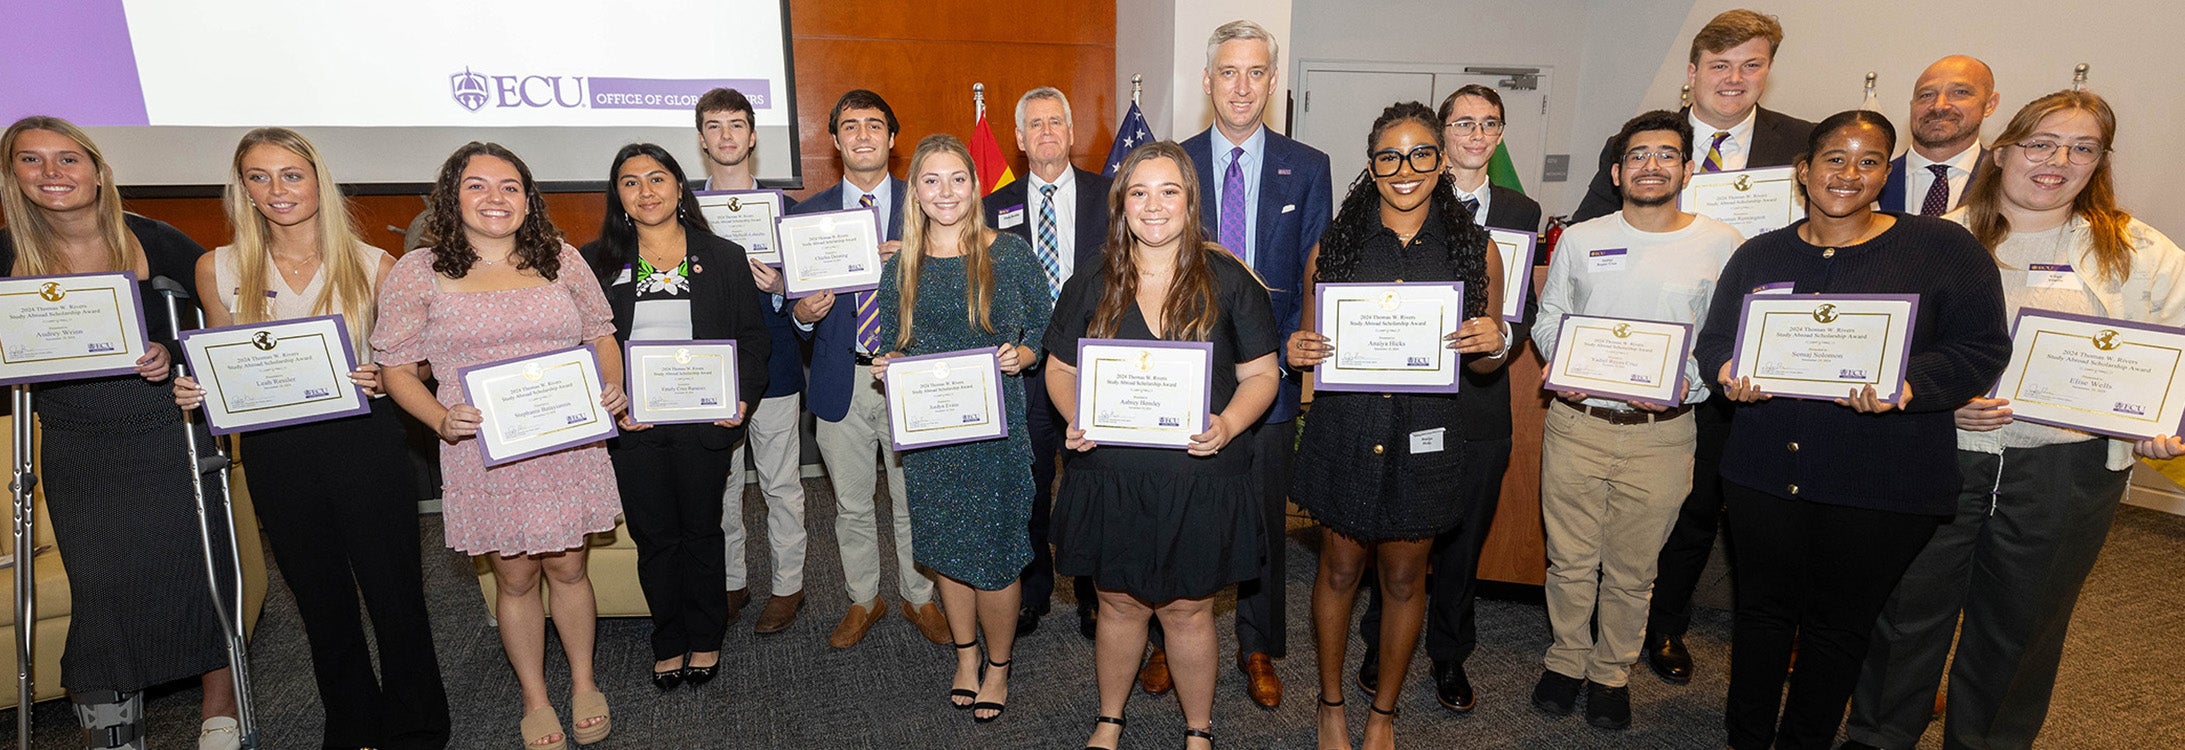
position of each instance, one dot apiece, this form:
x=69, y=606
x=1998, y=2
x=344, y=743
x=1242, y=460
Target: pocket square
x=1286, y=208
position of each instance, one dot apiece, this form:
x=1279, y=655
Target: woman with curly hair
x=1382, y=504
x=501, y=283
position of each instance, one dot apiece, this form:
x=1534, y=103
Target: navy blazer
x=724, y=304
x=1092, y=214
x=834, y=338
x=1893, y=190
x=1777, y=139
x=1295, y=204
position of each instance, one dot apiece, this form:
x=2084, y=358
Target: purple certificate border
x=1523, y=270
x=463, y=376
x=363, y=402
x=136, y=297
x=1001, y=406
x=629, y=374
x=873, y=214
x=1456, y=377
x=1904, y=355
x=781, y=204
x=1084, y=388
x=1549, y=376
x=2031, y=312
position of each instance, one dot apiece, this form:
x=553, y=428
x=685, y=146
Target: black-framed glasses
x=1638, y=157
x=1423, y=159
x=1467, y=126
x=2081, y=153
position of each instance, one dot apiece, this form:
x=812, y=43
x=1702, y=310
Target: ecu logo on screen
x=476, y=91
x=469, y=89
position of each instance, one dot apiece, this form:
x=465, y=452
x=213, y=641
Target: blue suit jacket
x=1893, y=191
x=834, y=338
x=1295, y=203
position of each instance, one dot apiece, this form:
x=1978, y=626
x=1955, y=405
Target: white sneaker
x=219, y=733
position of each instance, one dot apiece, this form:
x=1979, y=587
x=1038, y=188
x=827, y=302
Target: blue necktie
x=1049, y=249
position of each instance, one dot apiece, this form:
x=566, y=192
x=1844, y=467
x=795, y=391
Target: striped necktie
x=1714, y=153
x=868, y=314
x=1050, y=259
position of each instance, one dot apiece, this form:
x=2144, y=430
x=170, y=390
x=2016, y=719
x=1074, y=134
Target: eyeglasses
x=2040, y=152
x=1423, y=159
x=1639, y=157
x=1489, y=126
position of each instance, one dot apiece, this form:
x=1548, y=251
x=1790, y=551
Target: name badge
x=1011, y=216
x=1607, y=261
x=622, y=278
x=1428, y=441
x=2051, y=276
x=1780, y=287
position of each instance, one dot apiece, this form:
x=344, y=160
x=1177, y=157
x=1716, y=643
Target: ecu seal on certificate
x=1517, y=250
x=71, y=326
x=829, y=251
x=1149, y=394
x=2109, y=377
x=679, y=382
x=274, y=374
x=1752, y=201
x=1388, y=337
x=745, y=217
x=537, y=404
x=1634, y=360
x=1824, y=346
x=943, y=399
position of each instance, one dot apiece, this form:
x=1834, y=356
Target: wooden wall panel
x=1517, y=548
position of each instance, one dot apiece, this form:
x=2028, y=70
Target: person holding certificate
x=501, y=284
x=2036, y=502
x=958, y=286
x=669, y=279
x=113, y=450
x=1161, y=530
x=1375, y=469
x=338, y=498
x=1844, y=492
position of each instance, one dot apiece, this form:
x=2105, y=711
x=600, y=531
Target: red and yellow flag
x=986, y=157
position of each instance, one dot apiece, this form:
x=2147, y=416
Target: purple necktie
x=1938, y=194
x=1232, y=204
x=868, y=314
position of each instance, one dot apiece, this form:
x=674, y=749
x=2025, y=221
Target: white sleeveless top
x=288, y=303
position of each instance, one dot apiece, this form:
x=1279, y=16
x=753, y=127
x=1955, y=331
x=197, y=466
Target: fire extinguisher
x=1549, y=237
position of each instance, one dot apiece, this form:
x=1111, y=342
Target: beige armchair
x=613, y=565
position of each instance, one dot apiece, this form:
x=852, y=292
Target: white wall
x=1165, y=41
x=1145, y=45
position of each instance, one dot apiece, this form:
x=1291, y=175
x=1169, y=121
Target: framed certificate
x=1630, y=359
x=1517, y=269
x=2109, y=377
x=745, y=217
x=829, y=251
x=71, y=326
x=943, y=399
x=537, y=404
x=274, y=374
x=678, y=382
x=1388, y=337
x=1823, y=346
x=1150, y=394
x=1753, y=201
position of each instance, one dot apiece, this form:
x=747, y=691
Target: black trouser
x=1260, y=616
x=671, y=487
x=1451, y=630
x=1811, y=579
x=339, y=508
x=1692, y=539
x=1046, y=426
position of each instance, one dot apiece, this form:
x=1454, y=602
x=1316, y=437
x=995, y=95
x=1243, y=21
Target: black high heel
x=668, y=680
x=954, y=693
x=1204, y=734
x=997, y=708
x=696, y=675
x=1117, y=721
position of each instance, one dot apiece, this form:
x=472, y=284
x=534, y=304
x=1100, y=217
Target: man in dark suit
x=1062, y=212
x=1472, y=123
x=1949, y=101
x=853, y=415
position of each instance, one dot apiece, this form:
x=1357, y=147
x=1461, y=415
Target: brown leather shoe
x=1259, y=679
x=931, y=623
x=736, y=601
x=780, y=611
x=857, y=622
x=1154, y=677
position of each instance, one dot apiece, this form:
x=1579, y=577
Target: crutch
x=231, y=614
x=26, y=600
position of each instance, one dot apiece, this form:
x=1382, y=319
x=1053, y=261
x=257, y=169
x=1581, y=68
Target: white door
x=1524, y=113
x=1340, y=100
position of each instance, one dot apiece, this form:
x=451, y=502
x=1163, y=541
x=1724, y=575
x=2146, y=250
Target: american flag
x=1129, y=135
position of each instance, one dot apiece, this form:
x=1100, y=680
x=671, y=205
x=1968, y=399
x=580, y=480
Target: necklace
x=295, y=268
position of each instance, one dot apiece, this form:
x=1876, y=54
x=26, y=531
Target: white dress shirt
x=1065, y=200
x=1918, y=179
x=1485, y=195
x=1735, y=148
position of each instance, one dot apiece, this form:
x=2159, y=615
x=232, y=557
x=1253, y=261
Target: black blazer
x=1092, y=214
x=1512, y=210
x=724, y=304
x=1777, y=139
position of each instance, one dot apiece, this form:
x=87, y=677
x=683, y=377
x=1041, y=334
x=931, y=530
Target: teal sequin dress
x=970, y=503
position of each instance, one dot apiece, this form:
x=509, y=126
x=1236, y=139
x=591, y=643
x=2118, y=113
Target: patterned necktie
x=1471, y=207
x=1938, y=194
x=868, y=314
x=1232, y=204
x=1050, y=252
x=1714, y=153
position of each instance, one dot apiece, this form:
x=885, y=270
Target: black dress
x=1161, y=524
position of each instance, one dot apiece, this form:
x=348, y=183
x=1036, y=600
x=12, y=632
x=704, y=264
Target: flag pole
x=978, y=97
x=1137, y=86
x=1870, y=84
x=2078, y=77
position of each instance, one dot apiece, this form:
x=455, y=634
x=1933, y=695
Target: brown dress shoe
x=1260, y=680
x=857, y=622
x=780, y=611
x=736, y=601
x=931, y=623
x=1154, y=677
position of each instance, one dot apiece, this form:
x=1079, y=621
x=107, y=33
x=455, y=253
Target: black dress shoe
x=1856, y=745
x=1088, y=622
x=1669, y=659
x=1608, y=707
x=1556, y=694
x=1452, y=687
x=1028, y=618
x=1369, y=672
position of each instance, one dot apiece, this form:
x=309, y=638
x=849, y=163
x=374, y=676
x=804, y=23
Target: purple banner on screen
x=672, y=93
x=86, y=73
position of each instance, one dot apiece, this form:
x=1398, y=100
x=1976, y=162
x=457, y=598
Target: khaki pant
x=852, y=450
x=771, y=431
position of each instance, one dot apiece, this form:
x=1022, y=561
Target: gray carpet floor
x=791, y=690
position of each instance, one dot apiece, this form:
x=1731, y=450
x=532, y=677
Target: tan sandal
x=539, y=724
x=590, y=705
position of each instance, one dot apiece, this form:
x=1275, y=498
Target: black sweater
x=1902, y=461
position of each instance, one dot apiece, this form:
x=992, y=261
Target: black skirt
x=1160, y=524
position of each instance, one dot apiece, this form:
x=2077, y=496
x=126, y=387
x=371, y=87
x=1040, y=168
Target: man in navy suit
x=1266, y=198
x=1949, y=101
x=852, y=412
x=1062, y=211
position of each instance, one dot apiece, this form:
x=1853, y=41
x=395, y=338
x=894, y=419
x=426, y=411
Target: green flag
x=1501, y=171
